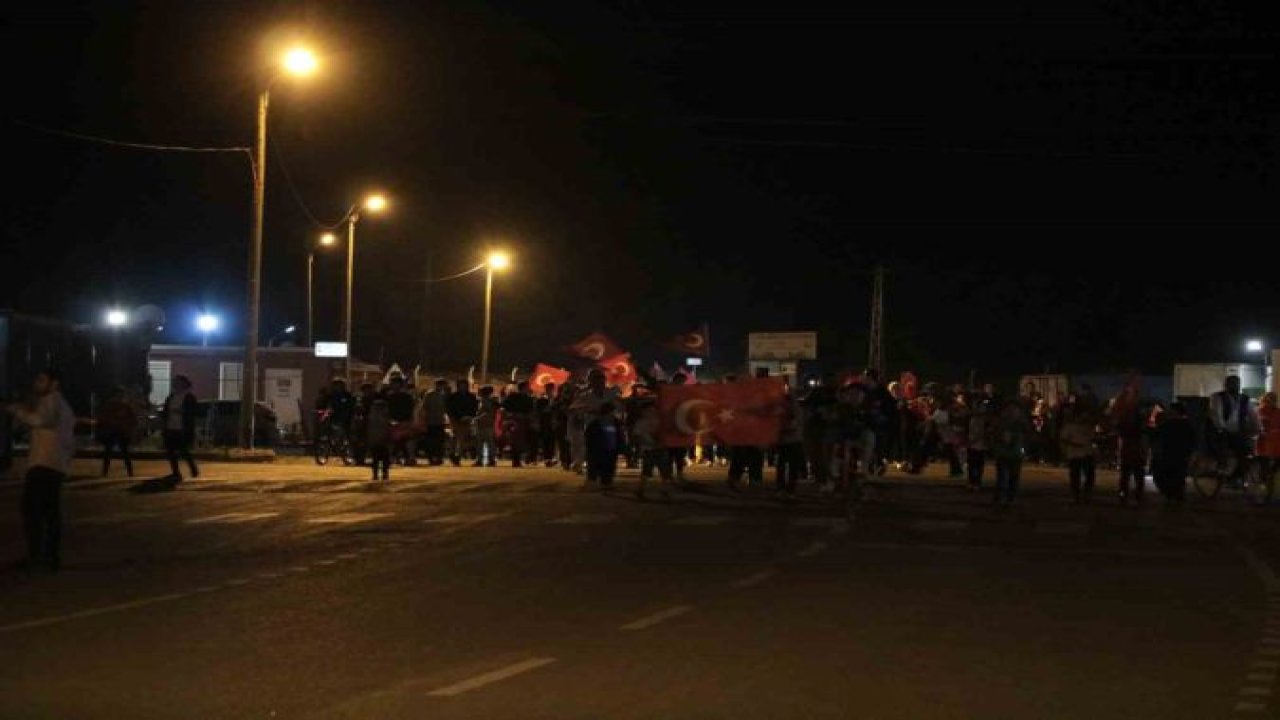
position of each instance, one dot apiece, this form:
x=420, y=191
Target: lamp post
x=117, y=318
x=297, y=62
x=374, y=203
x=206, y=323
x=1256, y=345
x=326, y=240
x=497, y=260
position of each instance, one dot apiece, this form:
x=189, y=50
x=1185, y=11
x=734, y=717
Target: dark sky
x=1088, y=186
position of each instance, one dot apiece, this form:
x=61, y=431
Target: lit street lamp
x=326, y=240
x=374, y=203
x=499, y=261
x=206, y=323
x=117, y=318
x=1256, y=345
x=297, y=62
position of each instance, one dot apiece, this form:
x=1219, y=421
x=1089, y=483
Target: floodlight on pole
x=117, y=318
x=1254, y=346
x=207, y=323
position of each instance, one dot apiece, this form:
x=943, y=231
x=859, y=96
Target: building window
x=161, y=372
x=229, y=375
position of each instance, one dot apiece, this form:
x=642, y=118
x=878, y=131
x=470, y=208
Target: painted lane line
x=1265, y=665
x=1261, y=677
x=347, y=518
x=232, y=518
x=1250, y=707
x=660, y=616
x=492, y=677
x=815, y=548
x=1255, y=691
x=207, y=588
x=756, y=579
x=940, y=525
x=90, y=613
x=238, y=581
x=585, y=519
x=702, y=520
x=299, y=568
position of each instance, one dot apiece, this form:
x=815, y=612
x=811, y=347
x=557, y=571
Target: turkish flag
x=595, y=346
x=543, y=374
x=910, y=385
x=696, y=343
x=619, y=370
x=747, y=412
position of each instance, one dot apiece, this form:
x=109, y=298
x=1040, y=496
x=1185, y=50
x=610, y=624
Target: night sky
x=1081, y=186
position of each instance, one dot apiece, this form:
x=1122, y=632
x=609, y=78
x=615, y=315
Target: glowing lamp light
x=328, y=239
x=1254, y=346
x=499, y=260
x=375, y=203
x=207, y=323
x=117, y=318
x=300, y=61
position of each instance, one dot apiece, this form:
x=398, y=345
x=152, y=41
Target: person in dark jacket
x=517, y=415
x=116, y=426
x=1172, y=446
x=179, y=421
x=602, y=446
x=461, y=406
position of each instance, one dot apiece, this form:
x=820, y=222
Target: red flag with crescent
x=910, y=385
x=595, y=346
x=747, y=412
x=696, y=343
x=619, y=371
x=543, y=374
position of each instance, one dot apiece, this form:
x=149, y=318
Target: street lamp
x=326, y=240
x=298, y=62
x=1256, y=345
x=287, y=331
x=497, y=260
x=374, y=203
x=117, y=318
x=206, y=323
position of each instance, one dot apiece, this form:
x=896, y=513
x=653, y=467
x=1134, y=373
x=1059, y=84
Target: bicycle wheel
x=321, y=449
x=1206, y=476
x=1257, y=489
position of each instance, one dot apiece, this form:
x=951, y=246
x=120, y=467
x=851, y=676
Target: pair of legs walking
x=177, y=446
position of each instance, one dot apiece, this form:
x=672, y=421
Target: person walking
x=644, y=433
x=1129, y=423
x=1079, y=418
x=1268, y=447
x=379, y=438
x=981, y=422
x=790, y=449
x=434, y=412
x=1174, y=442
x=602, y=446
x=546, y=423
x=178, y=418
x=116, y=427
x=517, y=415
x=485, y=432
x=52, y=423
x=1013, y=431
x=461, y=407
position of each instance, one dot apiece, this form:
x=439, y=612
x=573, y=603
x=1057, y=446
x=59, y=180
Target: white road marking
x=347, y=518
x=345, y=487
x=708, y=520
x=586, y=519
x=238, y=581
x=1250, y=707
x=232, y=518
x=660, y=616
x=756, y=579
x=207, y=588
x=1255, y=691
x=815, y=548
x=492, y=677
x=1266, y=665
x=1261, y=677
x=91, y=612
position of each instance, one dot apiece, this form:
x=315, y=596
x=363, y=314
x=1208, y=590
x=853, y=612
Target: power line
x=125, y=143
x=278, y=156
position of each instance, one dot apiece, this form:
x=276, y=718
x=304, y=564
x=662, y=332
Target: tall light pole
x=497, y=260
x=298, y=62
x=375, y=203
x=326, y=240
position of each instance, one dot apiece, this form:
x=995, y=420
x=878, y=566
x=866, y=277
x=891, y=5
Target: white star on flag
x=725, y=415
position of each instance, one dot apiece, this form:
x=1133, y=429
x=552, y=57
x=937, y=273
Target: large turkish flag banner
x=619, y=371
x=747, y=412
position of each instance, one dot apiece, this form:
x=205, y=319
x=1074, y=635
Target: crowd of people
x=832, y=433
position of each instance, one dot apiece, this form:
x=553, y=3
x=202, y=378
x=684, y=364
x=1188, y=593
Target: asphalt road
x=291, y=591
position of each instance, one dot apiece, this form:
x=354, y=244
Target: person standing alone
x=179, y=417
x=52, y=424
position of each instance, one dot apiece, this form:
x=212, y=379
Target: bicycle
x=1210, y=473
x=331, y=440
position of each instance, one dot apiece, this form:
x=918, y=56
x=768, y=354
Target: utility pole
x=875, y=339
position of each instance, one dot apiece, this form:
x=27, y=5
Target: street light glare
x=375, y=203
x=291, y=328
x=328, y=239
x=300, y=61
x=499, y=260
x=207, y=323
x=1254, y=346
x=117, y=318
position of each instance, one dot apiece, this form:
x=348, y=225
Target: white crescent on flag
x=542, y=380
x=694, y=341
x=594, y=350
x=681, y=416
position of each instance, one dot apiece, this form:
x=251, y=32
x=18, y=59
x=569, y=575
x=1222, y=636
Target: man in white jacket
x=52, y=424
